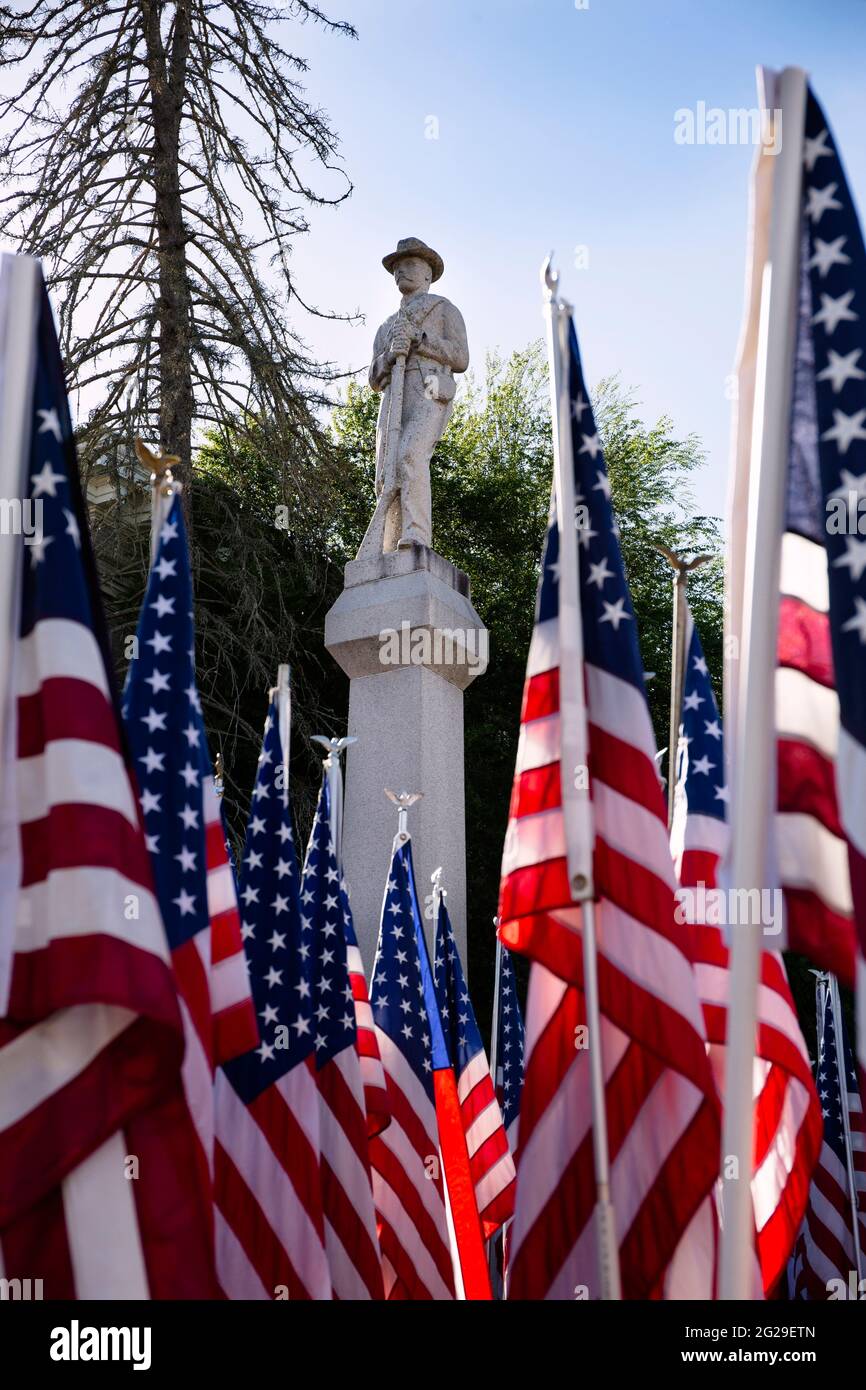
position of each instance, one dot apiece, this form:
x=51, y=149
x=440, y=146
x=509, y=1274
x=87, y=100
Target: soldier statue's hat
x=411, y=246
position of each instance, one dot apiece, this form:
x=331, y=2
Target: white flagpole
x=164, y=487
x=494, y=1026
x=574, y=760
x=836, y=1011
x=682, y=569
x=822, y=979
x=335, y=748
x=19, y=303
x=282, y=693
x=494, y=1067
x=754, y=754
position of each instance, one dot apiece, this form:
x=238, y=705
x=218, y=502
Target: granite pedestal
x=406, y=634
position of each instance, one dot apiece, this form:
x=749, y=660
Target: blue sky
x=556, y=130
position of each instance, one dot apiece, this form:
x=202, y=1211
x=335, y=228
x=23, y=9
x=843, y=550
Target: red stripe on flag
x=34, y=1246
x=70, y=836
x=816, y=931
x=81, y=969
x=64, y=708
x=540, y=696
x=807, y=783
x=461, y=1189
x=804, y=641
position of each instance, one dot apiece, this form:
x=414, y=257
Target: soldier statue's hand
x=401, y=342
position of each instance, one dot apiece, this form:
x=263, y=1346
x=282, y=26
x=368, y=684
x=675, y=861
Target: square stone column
x=406, y=634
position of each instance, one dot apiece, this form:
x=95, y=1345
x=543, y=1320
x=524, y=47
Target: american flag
x=510, y=1045
x=787, y=1114
x=372, y=1071
x=490, y=1160
x=825, y=1249
x=92, y=1041
x=407, y=1178
x=662, y=1105
x=824, y=570
x=270, y=1228
x=819, y=840
x=183, y=825
x=351, y=1241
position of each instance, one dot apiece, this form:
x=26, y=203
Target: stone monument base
x=406, y=634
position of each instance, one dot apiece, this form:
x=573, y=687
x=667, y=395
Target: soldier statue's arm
x=380, y=367
x=451, y=348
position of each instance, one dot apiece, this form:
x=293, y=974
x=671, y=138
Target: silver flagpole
x=20, y=287
x=164, y=487
x=574, y=760
x=681, y=568
x=282, y=693
x=821, y=980
x=494, y=1067
x=335, y=747
x=494, y=1026
x=836, y=1011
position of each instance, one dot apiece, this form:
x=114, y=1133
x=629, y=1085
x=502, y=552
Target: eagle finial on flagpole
x=549, y=277
x=403, y=801
x=334, y=748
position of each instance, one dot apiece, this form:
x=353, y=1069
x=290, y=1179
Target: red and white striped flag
x=372, y=1071
x=98, y=1191
x=825, y=1264
x=490, y=1160
x=270, y=1224
x=232, y=1016
x=407, y=1163
x=351, y=1241
x=662, y=1108
x=184, y=831
x=811, y=635
x=787, y=1111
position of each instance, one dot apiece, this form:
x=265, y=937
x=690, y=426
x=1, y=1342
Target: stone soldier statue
x=415, y=355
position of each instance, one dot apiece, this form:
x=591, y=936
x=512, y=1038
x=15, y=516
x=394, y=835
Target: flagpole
x=679, y=656
x=494, y=1025
x=20, y=285
x=459, y=1287
x=821, y=980
x=164, y=487
x=494, y=1066
x=574, y=761
x=838, y=1029
x=332, y=766
x=754, y=752
x=282, y=693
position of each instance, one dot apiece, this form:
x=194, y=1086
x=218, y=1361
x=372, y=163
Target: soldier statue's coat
x=438, y=350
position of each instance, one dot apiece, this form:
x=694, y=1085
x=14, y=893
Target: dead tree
x=160, y=158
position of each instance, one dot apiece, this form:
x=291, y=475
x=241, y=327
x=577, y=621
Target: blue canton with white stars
x=836, y=269
x=509, y=1066
x=401, y=984
x=53, y=581
x=279, y=958
x=609, y=628
x=459, y=1027
x=828, y=1082
x=324, y=908
x=701, y=747
x=162, y=711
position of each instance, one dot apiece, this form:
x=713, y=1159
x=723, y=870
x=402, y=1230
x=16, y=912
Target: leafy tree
x=159, y=156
